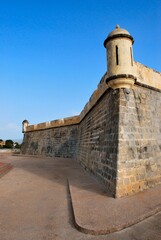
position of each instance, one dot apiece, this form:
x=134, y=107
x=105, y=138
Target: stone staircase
x=4, y=168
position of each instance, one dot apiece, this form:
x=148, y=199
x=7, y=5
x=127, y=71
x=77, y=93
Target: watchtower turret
x=120, y=65
x=25, y=123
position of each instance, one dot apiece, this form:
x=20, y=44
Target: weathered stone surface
x=57, y=142
x=139, y=159
x=97, y=140
x=118, y=139
x=117, y=136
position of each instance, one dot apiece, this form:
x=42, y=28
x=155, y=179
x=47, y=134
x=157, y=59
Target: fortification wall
x=139, y=158
x=98, y=140
x=54, y=142
x=117, y=136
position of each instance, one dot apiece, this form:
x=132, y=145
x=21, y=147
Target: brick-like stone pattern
x=93, y=142
x=139, y=158
x=55, y=142
x=98, y=140
x=118, y=140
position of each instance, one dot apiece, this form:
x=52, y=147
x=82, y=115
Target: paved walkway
x=47, y=198
x=98, y=213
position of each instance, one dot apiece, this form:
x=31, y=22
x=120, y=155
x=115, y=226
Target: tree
x=9, y=144
x=17, y=145
x=1, y=143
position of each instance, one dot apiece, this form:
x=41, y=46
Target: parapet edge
x=145, y=75
x=53, y=124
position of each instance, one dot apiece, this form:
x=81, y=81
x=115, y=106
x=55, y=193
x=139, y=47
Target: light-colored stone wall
x=148, y=76
x=144, y=75
x=53, y=124
x=125, y=63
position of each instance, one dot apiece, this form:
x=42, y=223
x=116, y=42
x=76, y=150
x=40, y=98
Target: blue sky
x=52, y=55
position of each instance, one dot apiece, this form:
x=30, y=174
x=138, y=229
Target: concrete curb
x=86, y=221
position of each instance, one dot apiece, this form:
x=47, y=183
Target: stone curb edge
x=82, y=229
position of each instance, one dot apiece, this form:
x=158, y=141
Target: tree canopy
x=9, y=143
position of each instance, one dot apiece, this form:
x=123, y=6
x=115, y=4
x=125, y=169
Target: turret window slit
x=117, y=57
x=131, y=56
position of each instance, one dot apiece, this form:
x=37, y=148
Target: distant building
x=2, y=143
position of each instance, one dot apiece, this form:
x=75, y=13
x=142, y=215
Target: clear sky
x=52, y=55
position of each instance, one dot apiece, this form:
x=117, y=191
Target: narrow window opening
x=131, y=56
x=117, y=58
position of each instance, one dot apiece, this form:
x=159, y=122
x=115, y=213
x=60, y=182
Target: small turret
x=25, y=124
x=120, y=67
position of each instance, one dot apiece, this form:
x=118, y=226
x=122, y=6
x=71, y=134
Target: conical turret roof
x=118, y=32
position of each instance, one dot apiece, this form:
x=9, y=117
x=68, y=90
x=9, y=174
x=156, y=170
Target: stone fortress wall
x=117, y=136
